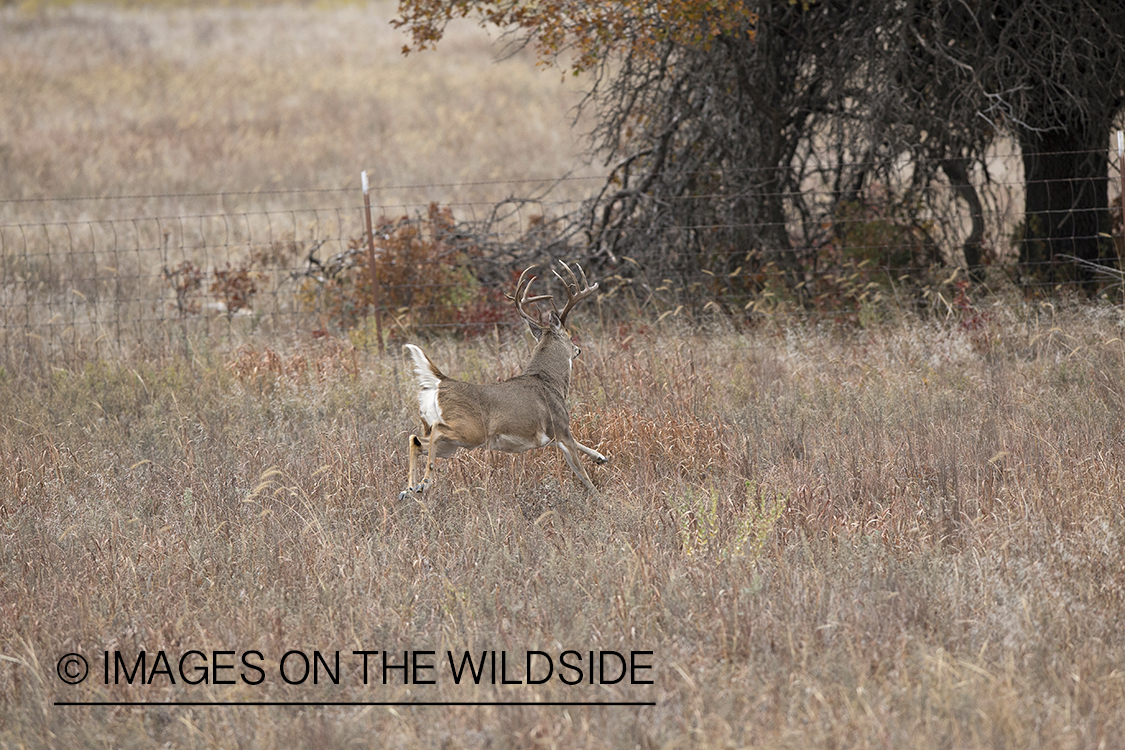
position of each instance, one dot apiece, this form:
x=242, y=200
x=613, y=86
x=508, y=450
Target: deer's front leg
x=569, y=447
x=599, y=458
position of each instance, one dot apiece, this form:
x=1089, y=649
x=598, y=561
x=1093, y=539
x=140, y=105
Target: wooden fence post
x=371, y=263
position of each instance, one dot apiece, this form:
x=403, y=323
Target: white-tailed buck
x=516, y=415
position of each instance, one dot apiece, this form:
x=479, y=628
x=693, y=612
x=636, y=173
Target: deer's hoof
x=601, y=461
x=416, y=489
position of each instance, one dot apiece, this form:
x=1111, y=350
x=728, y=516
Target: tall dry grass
x=909, y=536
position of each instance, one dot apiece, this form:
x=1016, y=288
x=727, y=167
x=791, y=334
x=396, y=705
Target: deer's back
x=513, y=416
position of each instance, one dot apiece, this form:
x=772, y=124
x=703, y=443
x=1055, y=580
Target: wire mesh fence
x=118, y=283
x=276, y=264
x=105, y=275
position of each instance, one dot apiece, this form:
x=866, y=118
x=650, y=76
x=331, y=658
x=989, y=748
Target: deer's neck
x=552, y=367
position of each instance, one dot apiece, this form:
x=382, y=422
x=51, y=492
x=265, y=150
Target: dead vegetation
x=892, y=529
x=826, y=536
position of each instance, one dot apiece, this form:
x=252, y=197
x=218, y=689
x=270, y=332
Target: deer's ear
x=556, y=323
x=536, y=331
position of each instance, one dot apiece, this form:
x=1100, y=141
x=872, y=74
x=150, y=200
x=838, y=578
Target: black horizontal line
x=355, y=703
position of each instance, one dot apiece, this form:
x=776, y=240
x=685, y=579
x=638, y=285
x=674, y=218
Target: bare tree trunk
x=1066, y=208
x=957, y=170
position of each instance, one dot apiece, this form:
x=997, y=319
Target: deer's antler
x=523, y=286
x=573, y=294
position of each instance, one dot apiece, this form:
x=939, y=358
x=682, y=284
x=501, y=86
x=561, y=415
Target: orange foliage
x=593, y=31
x=426, y=278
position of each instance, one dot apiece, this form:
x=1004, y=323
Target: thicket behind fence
x=100, y=278
x=91, y=286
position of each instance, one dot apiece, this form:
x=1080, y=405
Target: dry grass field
x=903, y=535
x=154, y=101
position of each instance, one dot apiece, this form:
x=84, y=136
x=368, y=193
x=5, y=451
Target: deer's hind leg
x=570, y=448
x=414, y=447
x=438, y=442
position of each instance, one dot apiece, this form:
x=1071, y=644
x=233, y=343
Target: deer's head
x=554, y=342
